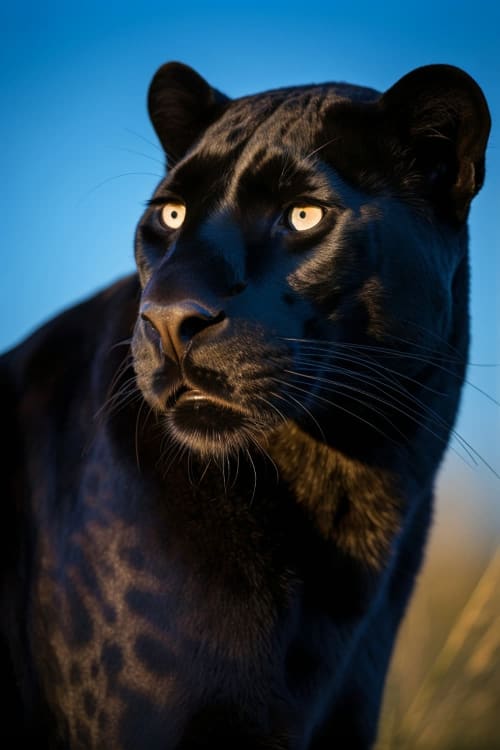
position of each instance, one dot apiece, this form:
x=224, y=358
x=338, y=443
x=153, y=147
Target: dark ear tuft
x=442, y=117
x=181, y=105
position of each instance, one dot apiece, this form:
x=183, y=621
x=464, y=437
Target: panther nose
x=178, y=323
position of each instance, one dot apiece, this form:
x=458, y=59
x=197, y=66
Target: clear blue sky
x=79, y=157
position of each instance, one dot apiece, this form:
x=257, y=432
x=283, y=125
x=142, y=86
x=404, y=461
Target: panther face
x=305, y=247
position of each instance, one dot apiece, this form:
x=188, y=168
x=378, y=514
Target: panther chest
x=149, y=630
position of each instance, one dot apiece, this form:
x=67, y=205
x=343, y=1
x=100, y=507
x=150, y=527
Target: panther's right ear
x=181, y=105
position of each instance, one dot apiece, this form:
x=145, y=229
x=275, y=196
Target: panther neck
x=359, y=507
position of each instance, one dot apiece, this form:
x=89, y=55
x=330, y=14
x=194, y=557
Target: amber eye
x=302, y=218
x=173, y=215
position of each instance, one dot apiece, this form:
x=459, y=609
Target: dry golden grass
x=443, y=690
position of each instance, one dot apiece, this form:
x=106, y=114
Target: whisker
x=137, y=153
x=327, y=347
x=301, y=405
x=428, y=332
x=125, y=342
x=266, y=455
x=223, y=469
x=126, y=389
x=120, y=372
x=172, y=160
x=382, y=386
x=272, y=406
x=125, y=397
x=423, y=425
x=173, y=452
x=143, y=138
x=136, y=436
x=252, y=464
x=469, y=450
x=101, y=184
x=350, y=413
x=372, y=365
x=378, y=349
x=381, y=349
x=389, y=383
x=436, y=418
x=189, y=469
x=236, y=472
x=339, y=387
x=320, y=148
x=207, y=466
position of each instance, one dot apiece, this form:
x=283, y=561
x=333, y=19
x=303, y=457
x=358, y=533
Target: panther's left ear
x=181, y=106
x=442, y=119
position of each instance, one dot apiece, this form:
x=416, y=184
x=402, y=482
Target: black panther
x=220, y=470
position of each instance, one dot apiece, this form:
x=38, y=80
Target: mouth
x=202, y=422
x=196, y=399
x=177, y=395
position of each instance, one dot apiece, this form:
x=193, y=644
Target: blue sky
x=79, y=157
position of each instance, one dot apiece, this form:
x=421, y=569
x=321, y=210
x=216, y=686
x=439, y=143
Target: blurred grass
x=443, y=689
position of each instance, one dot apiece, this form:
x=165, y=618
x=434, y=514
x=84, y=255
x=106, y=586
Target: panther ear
x=442, y=119
x=181, y=105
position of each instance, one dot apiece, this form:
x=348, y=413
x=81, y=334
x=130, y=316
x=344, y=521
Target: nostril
x=173, y=326
x=194, y=324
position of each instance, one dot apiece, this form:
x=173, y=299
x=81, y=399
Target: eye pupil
x=302, y=218
x=173, y=214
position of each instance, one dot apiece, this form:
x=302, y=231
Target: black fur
x=210, y=537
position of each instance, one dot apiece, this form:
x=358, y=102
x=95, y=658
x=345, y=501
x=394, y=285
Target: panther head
x=304, y=261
